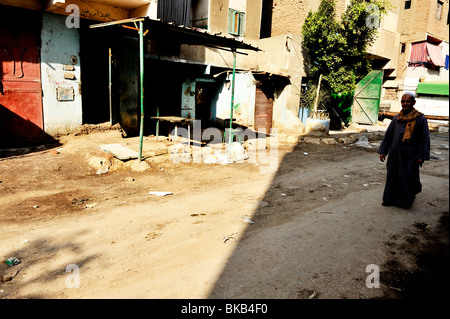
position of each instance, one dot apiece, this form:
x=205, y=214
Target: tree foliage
x=337, y=49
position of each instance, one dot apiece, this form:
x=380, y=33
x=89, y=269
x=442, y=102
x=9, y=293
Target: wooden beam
x=387, y=114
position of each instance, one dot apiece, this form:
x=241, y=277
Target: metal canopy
x=157, y=29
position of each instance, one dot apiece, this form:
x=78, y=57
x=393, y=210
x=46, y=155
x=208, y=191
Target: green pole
x=230, y=137
x=141, y=69
x=109, y=86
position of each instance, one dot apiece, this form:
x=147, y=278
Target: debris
x=77, y=201
x=237, y=152
x=10, y=273
x=218, y=158
x=103, y=170
x=305, y=154
x=161, y=193
x=229, y=237
x=347, y=140
x=89, y=205
x=35, y=206
x=263, y=203
x=365, y=185
x=12, y=261
x=329, y=141
x=129, y=179
x=312, y=295
x=152, y=235
x=443, y=129
x=248, y=220
x=363, y=142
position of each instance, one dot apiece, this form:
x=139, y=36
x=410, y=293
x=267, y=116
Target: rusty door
x=366, y=101
x=21, y=115
x=263, y=110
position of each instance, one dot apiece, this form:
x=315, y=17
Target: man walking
x=407, y=145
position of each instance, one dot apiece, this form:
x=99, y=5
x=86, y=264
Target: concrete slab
x=121, y=152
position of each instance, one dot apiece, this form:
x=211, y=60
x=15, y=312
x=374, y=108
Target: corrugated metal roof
x=182, y=34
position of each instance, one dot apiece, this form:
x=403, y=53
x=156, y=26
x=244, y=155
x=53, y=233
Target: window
x=236, y=22
x=403, y=48
x=407, y=5
x=439, y=7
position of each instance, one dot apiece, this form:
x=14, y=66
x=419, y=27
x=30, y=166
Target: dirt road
x=310, y=229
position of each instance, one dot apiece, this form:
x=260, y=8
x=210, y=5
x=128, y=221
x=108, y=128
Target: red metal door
x=263, y=111
x=21, y=115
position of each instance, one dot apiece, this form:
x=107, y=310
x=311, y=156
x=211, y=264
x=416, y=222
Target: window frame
x=439, y=9
x=408, y=4
x=236, y=17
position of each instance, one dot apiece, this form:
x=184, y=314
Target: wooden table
x=173, y=120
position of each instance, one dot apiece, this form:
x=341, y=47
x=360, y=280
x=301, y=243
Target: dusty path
x=309, y=230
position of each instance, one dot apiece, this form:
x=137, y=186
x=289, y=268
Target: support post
x=157, y=124
x=141, y=71
x=230, y=135
x=317, y=95
x=109, y=87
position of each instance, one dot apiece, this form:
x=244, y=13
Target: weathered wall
x=89, y=10
x=59, y=44
x=282, y=55
x=288, y=16
x=415, y=24
x=218, y=16
x=430, y=105
x=244, y=100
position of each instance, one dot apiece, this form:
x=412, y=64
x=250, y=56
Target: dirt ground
x=312, y=228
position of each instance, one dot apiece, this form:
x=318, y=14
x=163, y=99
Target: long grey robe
x=403, y=180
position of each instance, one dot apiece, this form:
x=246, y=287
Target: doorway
x=21, y=114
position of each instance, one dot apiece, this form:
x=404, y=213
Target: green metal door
x=366, y=101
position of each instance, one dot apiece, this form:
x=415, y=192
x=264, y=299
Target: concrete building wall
x=288, y=15
x=60, y=73
x=419, y=23
x=437, y=20
x=218, y=17
x=282, y=55
x=244, y=100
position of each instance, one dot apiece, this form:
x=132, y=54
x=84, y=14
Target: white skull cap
x=410, y=93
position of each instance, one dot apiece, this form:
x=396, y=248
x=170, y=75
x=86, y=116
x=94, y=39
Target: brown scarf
x=410, y=120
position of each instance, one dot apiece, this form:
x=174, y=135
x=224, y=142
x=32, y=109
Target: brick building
x=407, y=23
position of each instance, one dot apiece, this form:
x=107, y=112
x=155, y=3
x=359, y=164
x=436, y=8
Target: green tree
x=338, y=49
